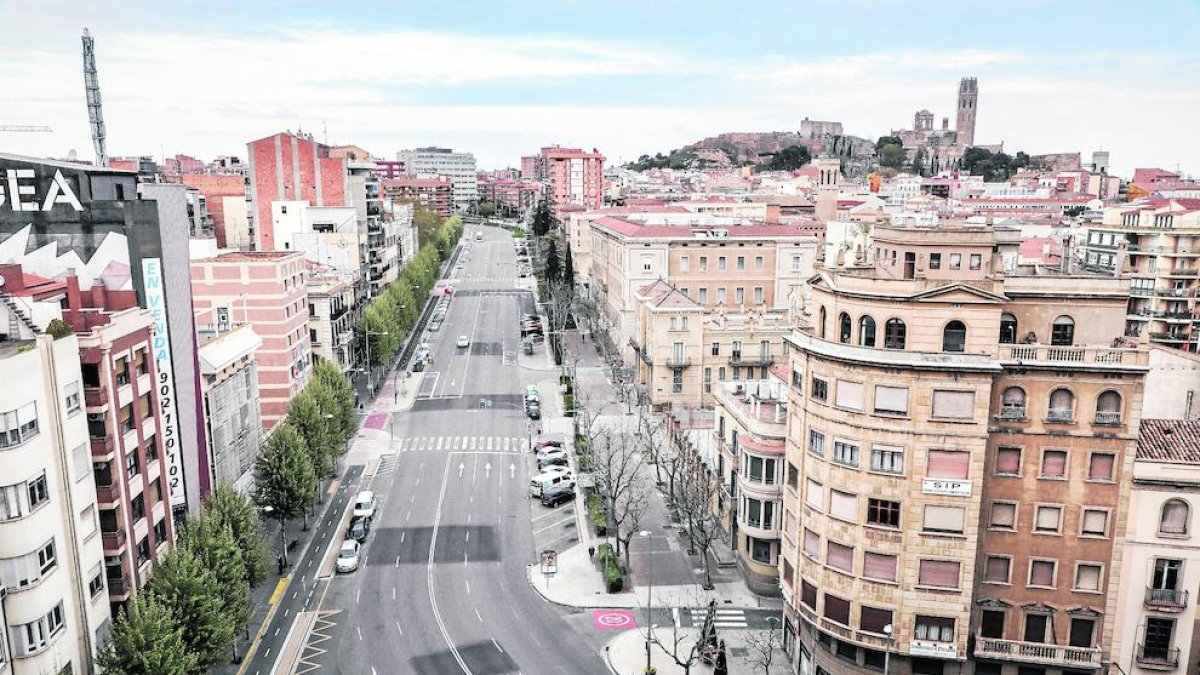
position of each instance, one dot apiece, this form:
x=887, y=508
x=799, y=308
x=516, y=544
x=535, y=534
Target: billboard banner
x=168, y=413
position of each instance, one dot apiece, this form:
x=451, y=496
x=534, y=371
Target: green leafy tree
x=147, y=640
x=232, y=510
x=790, y=158
x=888, y=140
x=918, y=162
x=892, y=156
x=213, y=543
x=190, y=591
x=342, y=395
x=284, y=477
x=427, y=222
x=321, y=436
x=487, y=209
x=553, y=269
x=58, y=329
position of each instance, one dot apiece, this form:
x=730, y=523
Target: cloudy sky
x=504, y=77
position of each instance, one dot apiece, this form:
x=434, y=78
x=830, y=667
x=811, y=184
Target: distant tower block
x=968, y=97
x=828, y=175
x=1100, y=161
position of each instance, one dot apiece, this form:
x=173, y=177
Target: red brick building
x=291, y=167
x=215, y=188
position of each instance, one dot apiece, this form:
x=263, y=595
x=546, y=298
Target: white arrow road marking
x=461, y=467
x=487, y=470
x=512, y=471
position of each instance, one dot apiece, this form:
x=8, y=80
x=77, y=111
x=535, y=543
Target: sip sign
x=168, y=415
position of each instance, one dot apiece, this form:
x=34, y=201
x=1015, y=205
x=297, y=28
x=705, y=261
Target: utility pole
x=91, y=88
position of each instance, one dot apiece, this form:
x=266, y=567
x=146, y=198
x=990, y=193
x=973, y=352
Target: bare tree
x=698, y=491
x=685, y=647
x=618, y=464
x=762, y=645
x=652, y=433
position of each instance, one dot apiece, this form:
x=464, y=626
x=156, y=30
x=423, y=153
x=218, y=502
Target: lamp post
x=649, y=602
x=887, y=653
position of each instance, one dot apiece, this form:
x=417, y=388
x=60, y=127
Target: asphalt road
x=443, y=590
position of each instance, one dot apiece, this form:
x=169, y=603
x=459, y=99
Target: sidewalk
x=626, y=653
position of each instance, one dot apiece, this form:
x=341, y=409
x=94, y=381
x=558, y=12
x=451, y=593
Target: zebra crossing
x=500, y=444
x=726, y=617
x=483, y=278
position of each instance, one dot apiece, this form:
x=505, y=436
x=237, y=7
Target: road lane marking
x=468, y=583
x=478, y=616
x=553, y=525
x=429, y=568
x=497, y=644
x=359, y=632
x=399, y=629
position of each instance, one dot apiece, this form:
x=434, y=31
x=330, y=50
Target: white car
x=347, y=558
x=463, y=342
x=435, y=326
x=550, y=453
x=364, y=505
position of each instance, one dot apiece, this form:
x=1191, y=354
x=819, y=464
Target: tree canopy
x=190, y=591
x=789, y=159
x=147, y=640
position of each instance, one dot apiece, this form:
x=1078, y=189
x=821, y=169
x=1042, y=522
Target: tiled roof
x=1169, y=440
x=754, y=231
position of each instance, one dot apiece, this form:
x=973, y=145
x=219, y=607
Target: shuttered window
x=849, y=395
x=1008, y=461
x=808, y=595
x=1100, y=466
x=1004, y=515
x=892, y=400
x=812, y=543
x=944, y=519
x=1047, y=519
x=879, y=566
x=840, y=557
x=948, y=464
x=843, y=505
x=814, y=495
x=953, y=405
x=874, y=619
x=1087, y=578
x=1054, y=464
x=837, y=609
x=938, y=573
x=1041, y=572
x=1095, y=522
x=997, y=569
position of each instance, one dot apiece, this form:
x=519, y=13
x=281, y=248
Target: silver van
x=549, y=479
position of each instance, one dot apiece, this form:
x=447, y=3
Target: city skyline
x=500, y=82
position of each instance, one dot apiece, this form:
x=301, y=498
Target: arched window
x=894, y=333
x=1175, y=517
x=821, y=322
x=1063, y=331
x=1108, y=408
x=1062, y=406
x=1008, y=329
x=1012, y=404
x=866, y=331
x=954, y=337
x=844, y=326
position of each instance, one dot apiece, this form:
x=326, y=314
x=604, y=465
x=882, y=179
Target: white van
x=551, y=478
x=364, y=505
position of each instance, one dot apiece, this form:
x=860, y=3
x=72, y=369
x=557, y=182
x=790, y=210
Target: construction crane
x=25, y=128
x=91, y=86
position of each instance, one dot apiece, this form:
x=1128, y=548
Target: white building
x=459, y=167
x=54, y=610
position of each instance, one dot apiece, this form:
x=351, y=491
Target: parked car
x=478, y=236
x=534, y=410
x=435, y=326
x=548, y=443
x=359, y=527
x=347, y=558
x=527, y=347
x=552, y=462
x=556, y=477
x=550, y=453
x=364, y=505
x=422, y=359
x=557, y=495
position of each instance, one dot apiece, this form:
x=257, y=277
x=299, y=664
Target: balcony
x=1173, y=292
x=1037, y=652
x=1012, y=413
x=758, y=407
x=1115, y=358
x=1166, y=599
x=107, y=495
x=95, y=397
x=119, y=585
x=1168, y=337
x=103, y=447
x=114, y=541
x=1060, y=416
x=1107, y=419
x=746, y=359
x=1157, y=658
x=678, y=361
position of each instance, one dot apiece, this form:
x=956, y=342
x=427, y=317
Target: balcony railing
x=1168, y=337
x=1155, y=658
x=94, y=397
x=1166, y=599
x=1060, y=416
x=745, y=359
x=113, y=541
x=1012, y=413
x=1073, y=355
x=1037, y=652
x=107, y=494
x=1108, y=418
x=679, y=361
x=103, y=447
x=119, y=584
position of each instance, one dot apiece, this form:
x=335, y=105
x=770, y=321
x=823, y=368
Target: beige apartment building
x=959, y=433
x=738, y=267
x=684, y=350
x=332, y=314
x=1158, y=243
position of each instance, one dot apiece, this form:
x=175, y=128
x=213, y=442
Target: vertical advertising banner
x=156, y=303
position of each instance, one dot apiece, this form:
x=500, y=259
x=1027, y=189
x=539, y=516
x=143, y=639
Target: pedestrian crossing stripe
x=499, y=444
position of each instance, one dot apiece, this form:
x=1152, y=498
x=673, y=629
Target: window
x=1081, y=632
x=1054, y=464
x=38, y=491
x=81, y=461
x=793, y=476
x=703, y=297
x=126, y=419
x=997, y=569
x=956, y=405
x=1048, y=519
x=131, y=464
x=647, y=263
x=703, y=263
x=121, y=368
x=991, y=625
x=96, y=580
x=87, y=521
x=1108, y=408
x=138, y=509
x=839, y=556
x=71, y=398
x=891, y=400
x=849, y=395
x=758, y=294
x=33, y=637
x=893, y=334
x=144, y=406
x=1094, y=523
x=721, y=263
x=954, y=337
x=874, y=620
x=1004, y=516
x=1062, y=406
x=844, y=327
x=887, y=460
x=796, y=263
x=816, y=442
x=808, y=595
x=814, y=495
x=1158, y=640
x=760, y=549
x=1035, y=627
x=1087, y=577
x=845, y=453
x=948, y=464
x=739, y=295
x=879, y=566
x=741, y=262
x=1008, y=329
x=716, y=349
x=1100, y=466
x=837, y=609
x=707, y=380
x=843, y=505
x=721, y=374
x=812, y=543
x=943, y=519
x=1042, y=573
x=19, y=425
x=684, y=263
x=721, y=297
x=955, y=261
x=976, y=261
x=26, y=570
x=1012, y=404
x=1174, y=518
x=1062, y=331
x=820, y=389
x=1008, y=461
x=758, y=262
x=883, y=512
x=677, y=380
x=140, y=365
x=935, y=261
x=866, y=331
x=934, y=628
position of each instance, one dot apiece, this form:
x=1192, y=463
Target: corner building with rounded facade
x=959, y=433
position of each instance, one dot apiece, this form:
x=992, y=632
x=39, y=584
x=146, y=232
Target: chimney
x=945, y=124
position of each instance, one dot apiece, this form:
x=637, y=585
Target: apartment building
x=225, y=195
x=685, y=349
x=960, y=436
x=459, y=167
x=54, y=612
x=737, y=266
x=1158, y=243
x=332, y=315
x=268, y=290
x=290, y=167
x=1156, y=613
x=430, y=191
x=233, y=411
x=572, y=176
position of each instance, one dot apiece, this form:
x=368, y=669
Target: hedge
x=613, y=581
x=596, y=513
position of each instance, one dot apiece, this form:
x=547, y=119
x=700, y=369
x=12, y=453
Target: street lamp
x=887, y=653
x=649, y=600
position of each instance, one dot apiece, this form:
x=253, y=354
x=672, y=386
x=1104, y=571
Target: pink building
x=571, y=176
x=268, y=290
x=291, y=167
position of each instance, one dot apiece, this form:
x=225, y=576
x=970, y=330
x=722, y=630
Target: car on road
x=359, y=527
x=422, y=359
x=551, y=478
x=553, y=462
x=557, y=495
x=364, y=505
x=347, y=558
x=463, y=342
x=550, y=453
x=548, y=443
x=534, y=410
x=435, y=326
x=478, y=236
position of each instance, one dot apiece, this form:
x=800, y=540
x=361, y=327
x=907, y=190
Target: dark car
x=359, y=527
x=548, y=443
x=557, y=495
x=533, y=410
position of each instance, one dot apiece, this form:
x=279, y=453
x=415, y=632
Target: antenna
x=91, y=88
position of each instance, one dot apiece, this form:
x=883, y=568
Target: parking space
x=554, y=527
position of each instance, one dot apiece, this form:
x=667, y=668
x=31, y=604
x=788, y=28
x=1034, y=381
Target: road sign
x=613, y=619
x=549, y=562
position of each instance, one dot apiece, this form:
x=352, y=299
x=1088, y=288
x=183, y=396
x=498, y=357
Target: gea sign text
x=18, y=193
